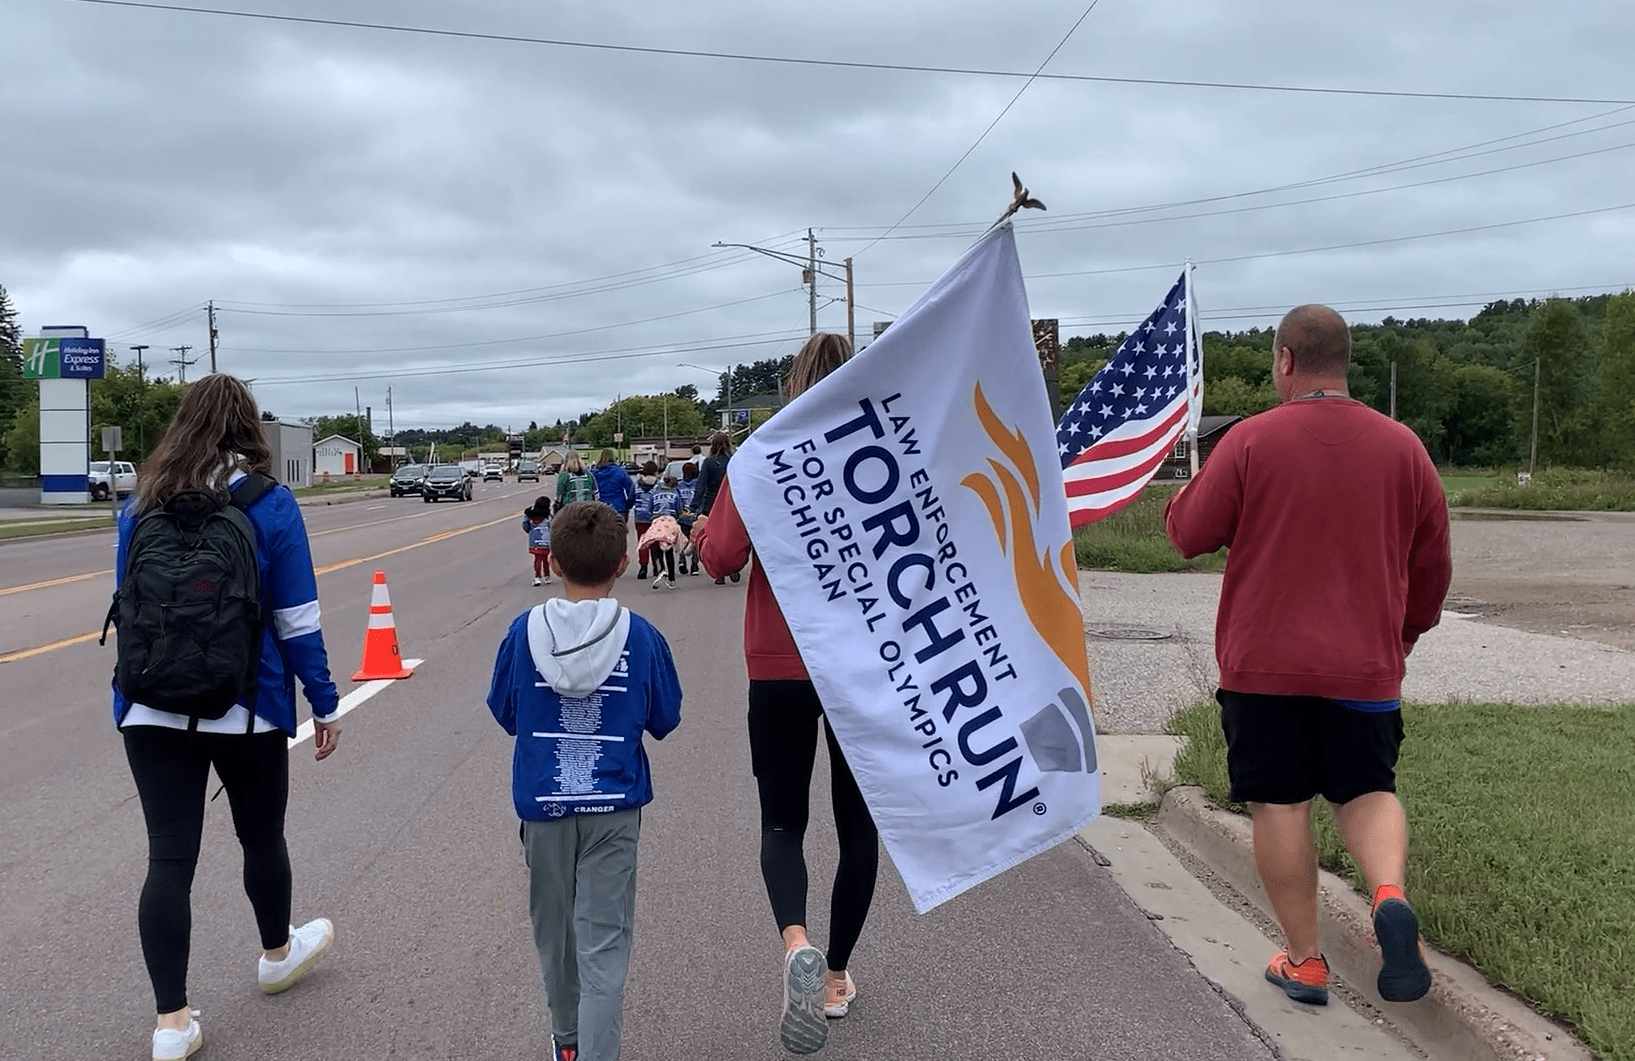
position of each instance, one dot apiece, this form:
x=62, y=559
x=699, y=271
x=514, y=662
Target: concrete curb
x=342, y=499
x=1464, y=1018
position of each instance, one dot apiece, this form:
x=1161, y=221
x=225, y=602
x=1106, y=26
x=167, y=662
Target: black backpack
x=189, y=609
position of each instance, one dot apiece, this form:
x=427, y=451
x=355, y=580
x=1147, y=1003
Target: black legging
x=783, y=725
x=172, y=770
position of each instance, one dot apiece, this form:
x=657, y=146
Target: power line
x=961, y=160
x=853, y=64
x=522, y=338
x=1116, y=270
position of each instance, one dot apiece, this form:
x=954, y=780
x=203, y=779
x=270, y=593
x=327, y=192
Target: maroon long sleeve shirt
x=1338, y=531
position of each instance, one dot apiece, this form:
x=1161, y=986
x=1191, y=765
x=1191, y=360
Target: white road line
x=352, y=700
x=373, y=508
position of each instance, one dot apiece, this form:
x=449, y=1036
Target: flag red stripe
x=1125, y=446
x=1082, y=517
x=1101, y=484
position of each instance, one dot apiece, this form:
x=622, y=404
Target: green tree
x=1233, y=396
x=1074, y=376
x=23, y=437
x=140, y=408
x=641, y=415
x=1615, y=360
x=1557, y=341
x=14, y=392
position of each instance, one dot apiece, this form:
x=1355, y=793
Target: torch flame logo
x=1048, y=583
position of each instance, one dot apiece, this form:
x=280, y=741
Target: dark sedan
x=408, y=479
x=446, y=480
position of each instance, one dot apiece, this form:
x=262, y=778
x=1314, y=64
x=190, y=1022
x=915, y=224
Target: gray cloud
x=162, y=160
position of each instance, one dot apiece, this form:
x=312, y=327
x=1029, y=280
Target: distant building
x=1178, y=465
x=291, y=446
x=336, y=455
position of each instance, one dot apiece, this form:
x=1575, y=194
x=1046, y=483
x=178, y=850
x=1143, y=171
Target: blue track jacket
x=615, y=487
x=577, y=683
x=293, y=644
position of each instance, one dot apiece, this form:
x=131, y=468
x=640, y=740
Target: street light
x=811, y=269
x=717, y=374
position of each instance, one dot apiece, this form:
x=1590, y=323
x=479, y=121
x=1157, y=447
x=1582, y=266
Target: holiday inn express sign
x=63, y=358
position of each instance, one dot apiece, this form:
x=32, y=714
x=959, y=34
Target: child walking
x=577, y=681
x=536, y=521
x=663, y=534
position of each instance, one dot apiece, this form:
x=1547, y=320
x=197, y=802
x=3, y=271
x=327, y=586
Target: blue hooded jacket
x=614, y=487
x=293, y=644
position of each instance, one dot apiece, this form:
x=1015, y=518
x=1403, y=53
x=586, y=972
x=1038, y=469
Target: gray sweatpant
x=582, y=898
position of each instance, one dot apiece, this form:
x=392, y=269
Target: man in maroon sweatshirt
x=1338, y=532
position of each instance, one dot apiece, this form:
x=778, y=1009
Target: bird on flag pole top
x=1128, y=418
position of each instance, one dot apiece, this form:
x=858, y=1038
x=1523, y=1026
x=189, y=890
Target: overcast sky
x=559, y=204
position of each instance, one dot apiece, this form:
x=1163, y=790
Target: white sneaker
x=657, y=582
x=547, y=580
x=836, y=1010
x=307, y=944
x=804, y=1028
x=172, y=1045
x=536, y=580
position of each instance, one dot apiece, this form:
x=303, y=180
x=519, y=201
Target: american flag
x=1126, y=420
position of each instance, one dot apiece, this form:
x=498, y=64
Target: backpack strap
x=251, y=489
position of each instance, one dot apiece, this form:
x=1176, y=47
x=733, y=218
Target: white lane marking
x=1460, y=615
x=352, y=700
x=374, y=508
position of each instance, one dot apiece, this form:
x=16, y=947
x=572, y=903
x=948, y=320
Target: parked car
x=472, y=468
x=528, y=470
x=408, y=479
x=493, y=473
x=122, y=479
x=446, y=480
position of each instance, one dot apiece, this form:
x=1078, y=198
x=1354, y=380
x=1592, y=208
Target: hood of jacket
x=576, y=644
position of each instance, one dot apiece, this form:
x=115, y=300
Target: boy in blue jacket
x=577, y=681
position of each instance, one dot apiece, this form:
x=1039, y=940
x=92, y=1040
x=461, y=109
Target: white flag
x=909, y=513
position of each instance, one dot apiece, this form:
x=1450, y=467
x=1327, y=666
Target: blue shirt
x=614, y=487
x=664, y=502
x=584, y=755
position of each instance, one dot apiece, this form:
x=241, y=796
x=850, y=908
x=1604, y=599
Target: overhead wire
x=852, y=64
x=997, y=118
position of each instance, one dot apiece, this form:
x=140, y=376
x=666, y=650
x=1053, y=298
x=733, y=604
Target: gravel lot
x=1552, y=619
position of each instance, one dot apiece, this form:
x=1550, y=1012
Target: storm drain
x=1128, y=633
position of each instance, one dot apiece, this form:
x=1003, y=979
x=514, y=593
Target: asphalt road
x=407, y=840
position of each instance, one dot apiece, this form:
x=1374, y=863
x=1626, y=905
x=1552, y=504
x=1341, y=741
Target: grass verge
x=377, y=482
x=1521, y=859
x=37, y=530
x=1555, y=489
x=1133, y=540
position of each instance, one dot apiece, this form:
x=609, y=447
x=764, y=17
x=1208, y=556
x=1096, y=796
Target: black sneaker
x=642, y=574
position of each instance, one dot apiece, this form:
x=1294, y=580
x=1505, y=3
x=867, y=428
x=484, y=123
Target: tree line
x=1465, y=387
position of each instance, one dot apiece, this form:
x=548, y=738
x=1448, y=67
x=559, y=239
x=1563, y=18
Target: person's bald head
x=1318, y=341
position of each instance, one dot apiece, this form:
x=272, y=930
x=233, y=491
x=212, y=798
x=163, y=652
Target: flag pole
x=1195, y=349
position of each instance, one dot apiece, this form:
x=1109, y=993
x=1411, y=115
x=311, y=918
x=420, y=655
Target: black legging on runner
x=172, y=770
x=783, y=725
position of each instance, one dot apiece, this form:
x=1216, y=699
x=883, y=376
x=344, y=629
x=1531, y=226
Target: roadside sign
x=63, y=359
x=111, y=439
x=618, y=436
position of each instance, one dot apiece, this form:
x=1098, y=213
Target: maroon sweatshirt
x=1339, y=559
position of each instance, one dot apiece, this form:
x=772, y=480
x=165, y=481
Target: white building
x=291, y=446
x=336, y=455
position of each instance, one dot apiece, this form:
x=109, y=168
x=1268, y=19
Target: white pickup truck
x=121, y=480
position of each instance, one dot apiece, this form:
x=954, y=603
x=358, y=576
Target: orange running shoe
x=1404, y=976
x=1306, y=982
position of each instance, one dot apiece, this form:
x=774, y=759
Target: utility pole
x=181, y=362
x=211, y=307
x=851, y=310
x=1393, y=390
x=139, y=348
x=811, y=278
x=391, y=431
x=1532, y=463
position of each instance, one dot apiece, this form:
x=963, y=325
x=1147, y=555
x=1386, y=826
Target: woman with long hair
x=711, y=475
x=574, y=482
x=614, y=486
x=214, y=444
x=784, y=711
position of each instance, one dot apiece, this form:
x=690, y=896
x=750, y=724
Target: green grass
x=1462, y=482
x=1522, y=851
x=343, y=486
x=36, y=530
x=1133, y=540
x=1555, y=489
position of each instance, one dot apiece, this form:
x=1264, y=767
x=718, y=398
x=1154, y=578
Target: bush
x=1556, y=489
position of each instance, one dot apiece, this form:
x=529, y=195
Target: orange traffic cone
x=380, y=655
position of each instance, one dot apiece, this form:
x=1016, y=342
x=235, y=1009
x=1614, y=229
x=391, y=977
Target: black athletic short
x=1287, y=749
